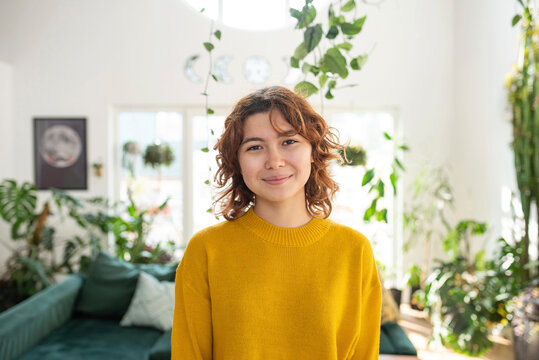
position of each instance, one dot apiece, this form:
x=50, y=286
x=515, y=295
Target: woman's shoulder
x=347, y=233
x=213, y=233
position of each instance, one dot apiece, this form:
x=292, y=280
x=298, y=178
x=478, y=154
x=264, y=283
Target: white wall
x=437, y=62
x=6, y=120
x=485, y=52
x=6, y=144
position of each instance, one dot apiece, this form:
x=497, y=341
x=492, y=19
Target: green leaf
x=353, y=28
x=367, y=177
x=397, y=161
x=322, y=79
x=295, y=13
x=312, y=37
x=209, y=211
x=212, y=132
x=349, y=6
x=214, y=77
x=209, y=46
x=207, y=182
x=332, y=32
x=393, y=179
x=358, y=62
x=329, y=95
x=305, y=17
x=305, y=89
x=332, y=84
x=345, y=46
x=205, y=150
x=382, y=215
x=210, y=111
x=217, y=34
x=300, y=52
x=294, y=62
x=387, y=136
x=516, y=19
x=335, y=62
x=17, y=203
x=380, y=186
x=404, y=147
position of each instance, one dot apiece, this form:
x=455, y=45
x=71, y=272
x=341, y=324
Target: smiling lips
x=277, y=180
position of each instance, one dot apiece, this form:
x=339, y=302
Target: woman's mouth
x=277, y=180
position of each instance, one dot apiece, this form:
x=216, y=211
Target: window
x=188, y=131
x=254, y=15
x=366, y=129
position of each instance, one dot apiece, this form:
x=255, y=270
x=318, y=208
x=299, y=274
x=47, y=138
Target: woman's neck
x=285, y=215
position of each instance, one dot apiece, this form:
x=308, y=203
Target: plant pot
x=525, y=324
x=397, y=295
x=413, y=304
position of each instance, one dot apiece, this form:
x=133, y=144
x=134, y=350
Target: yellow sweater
x=249, y=290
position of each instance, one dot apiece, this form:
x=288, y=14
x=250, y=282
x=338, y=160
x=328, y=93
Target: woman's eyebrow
x=251, y=139
x=281, y=135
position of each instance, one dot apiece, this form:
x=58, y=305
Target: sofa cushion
x=162, y=348
x=111, y=283
x=152, y=305
x=29, y=322
x=90, y=338
x=400, y=344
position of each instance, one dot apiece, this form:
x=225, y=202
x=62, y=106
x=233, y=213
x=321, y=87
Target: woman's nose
x=275, y=159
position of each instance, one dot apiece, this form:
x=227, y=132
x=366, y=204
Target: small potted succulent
x=98, y=168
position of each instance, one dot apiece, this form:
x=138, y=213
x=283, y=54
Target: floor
x=416, y=325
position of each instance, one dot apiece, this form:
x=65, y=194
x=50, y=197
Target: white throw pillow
x=152, y=304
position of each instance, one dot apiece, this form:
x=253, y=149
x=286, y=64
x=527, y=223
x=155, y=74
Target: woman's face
x=275, y=167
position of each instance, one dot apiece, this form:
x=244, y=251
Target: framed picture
x=60, y=153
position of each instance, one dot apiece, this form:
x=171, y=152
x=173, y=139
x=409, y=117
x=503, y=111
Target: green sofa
x=78, y=318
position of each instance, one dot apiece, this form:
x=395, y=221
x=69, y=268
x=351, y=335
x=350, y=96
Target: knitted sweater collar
x=293, y=237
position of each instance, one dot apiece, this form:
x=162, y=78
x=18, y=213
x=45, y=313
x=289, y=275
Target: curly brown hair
x=235, y=197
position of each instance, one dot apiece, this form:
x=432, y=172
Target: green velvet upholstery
x=161, y=349
x=393, y=340
x=111, y=283
x=83, y=338
x=26, y=324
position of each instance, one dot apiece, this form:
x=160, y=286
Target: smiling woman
x=278, y=279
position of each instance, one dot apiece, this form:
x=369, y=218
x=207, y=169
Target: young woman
x=277, y=280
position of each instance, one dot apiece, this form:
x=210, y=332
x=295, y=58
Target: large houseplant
x=34, y=243
x=523, y=96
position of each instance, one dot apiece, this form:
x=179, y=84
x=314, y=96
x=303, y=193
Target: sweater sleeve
x=368, y=343
x=192, y=326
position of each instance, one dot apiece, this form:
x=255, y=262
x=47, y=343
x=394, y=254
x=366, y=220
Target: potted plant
x=158, y=154
x=34, y=260
x=98, y=168
x=425, y=215
x=413, y=280
x=523, y=92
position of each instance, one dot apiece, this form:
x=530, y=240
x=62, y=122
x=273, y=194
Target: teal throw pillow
x=111, y=283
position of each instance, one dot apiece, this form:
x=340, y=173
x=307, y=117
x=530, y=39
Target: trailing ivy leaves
x=306, y=16
x=358, y=62
x=353, y=28
x=305, y=89
x=329, y=65
x=335, y=62
x=516, y=19
x=349, y=6
x=312, y=37
x=208, y=46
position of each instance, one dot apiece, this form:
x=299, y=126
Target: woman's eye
x=254, y=147
x=289, y=142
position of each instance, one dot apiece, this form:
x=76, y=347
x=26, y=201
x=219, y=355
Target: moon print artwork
x=61, y=146
x=60, y=153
